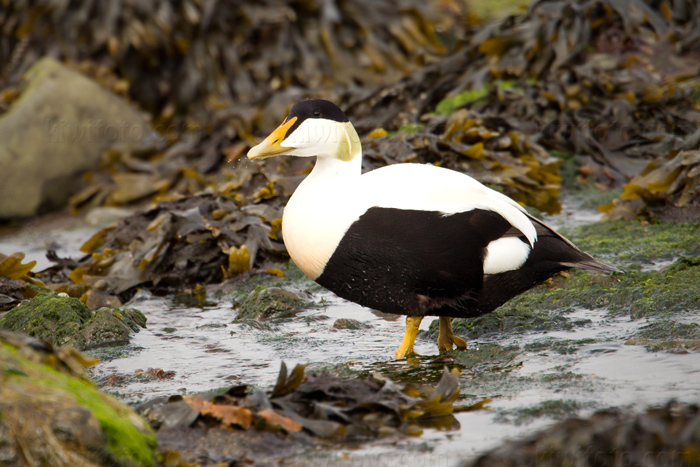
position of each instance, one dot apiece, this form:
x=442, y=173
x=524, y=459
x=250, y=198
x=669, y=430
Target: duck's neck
x=330, y=170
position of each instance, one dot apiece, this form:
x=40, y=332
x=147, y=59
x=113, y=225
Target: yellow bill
x=271, y=145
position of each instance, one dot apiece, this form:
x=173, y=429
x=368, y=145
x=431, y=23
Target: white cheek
x=505, y=254
x=315, y=132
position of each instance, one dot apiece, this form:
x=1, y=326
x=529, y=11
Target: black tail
x=551, y=254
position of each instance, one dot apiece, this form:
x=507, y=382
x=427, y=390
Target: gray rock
x=270, y=302
x=58, y=129
x=350, y=324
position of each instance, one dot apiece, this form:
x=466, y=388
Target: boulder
x=58, y=129
x=266, y=303
x=63, y=320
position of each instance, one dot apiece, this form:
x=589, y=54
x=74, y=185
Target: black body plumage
x=425, y=263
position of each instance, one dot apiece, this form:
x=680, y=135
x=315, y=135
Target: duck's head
x=313, y=128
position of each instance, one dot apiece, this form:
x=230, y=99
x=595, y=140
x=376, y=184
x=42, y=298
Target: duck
x=409, y=239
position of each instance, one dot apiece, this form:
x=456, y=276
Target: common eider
x=410, y=239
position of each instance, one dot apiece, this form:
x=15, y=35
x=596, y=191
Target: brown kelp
x=188, y=61
x=667, y=189
x=601, y=79
x=487, y=148
x=178, y=244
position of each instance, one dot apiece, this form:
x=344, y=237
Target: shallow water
x=207, y=349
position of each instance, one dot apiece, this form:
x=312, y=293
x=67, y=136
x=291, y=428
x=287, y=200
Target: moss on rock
x=56, y=417
x=49, y=317
x=631, y=242
x=67, y=321
x=555, y=409
x=492, y=355
x=350, y=324
x=270, y=302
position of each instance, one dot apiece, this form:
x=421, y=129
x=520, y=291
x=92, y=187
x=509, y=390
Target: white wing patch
x=505, y=254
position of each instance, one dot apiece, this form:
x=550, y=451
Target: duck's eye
x=317, y=113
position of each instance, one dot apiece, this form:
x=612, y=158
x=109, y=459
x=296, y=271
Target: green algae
x=67, y=321
x=129, y=440
x=555, y=409
x=673, y=346
x=411, y=128
x=666, y=329
x=560, y=377
x=632, y=242
x=515, y=318
x=49, y=317
x=449, y=105
x=667, y=335
x=560, y=346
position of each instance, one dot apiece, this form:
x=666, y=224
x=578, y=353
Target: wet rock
x=110, y=327
x=667, y=435
x=350, y=324
x=53, y=415
x=57, y=130
x=67, y=321
x=492, y=356
x=270, y=303
x=556, y=409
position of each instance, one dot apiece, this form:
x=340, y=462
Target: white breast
x=319, y=213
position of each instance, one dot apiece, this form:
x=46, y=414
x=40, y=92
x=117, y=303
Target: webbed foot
x=409, y=339
x=446, y=337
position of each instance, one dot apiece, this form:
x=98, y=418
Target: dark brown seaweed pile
x=178, y=244
x=188, y=167
x=603, y=79
x=301, y=409
x=668, y=435
x=16, y=280
x=211, y=74
x=193, y=61
x=668, y=189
